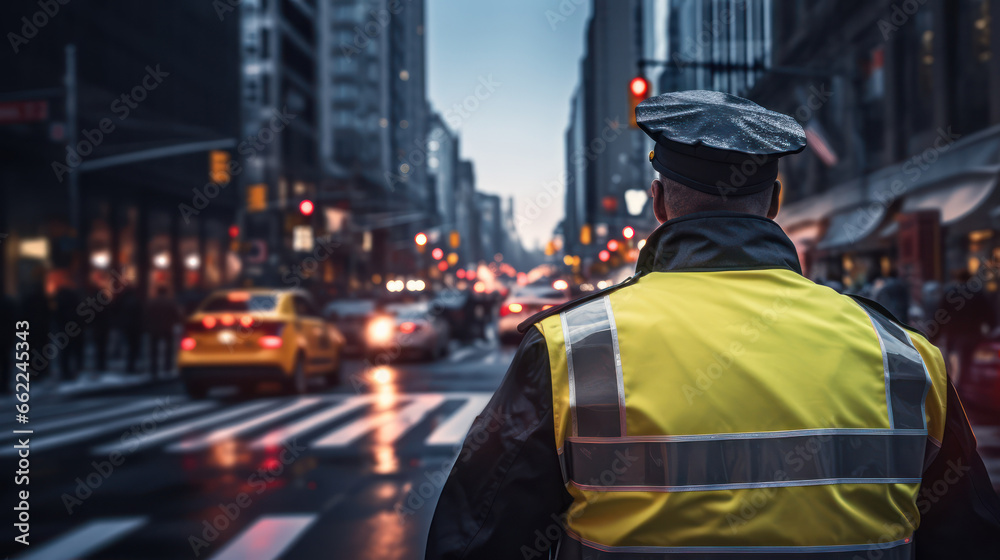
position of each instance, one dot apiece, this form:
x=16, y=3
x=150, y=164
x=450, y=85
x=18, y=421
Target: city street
x=331, y=474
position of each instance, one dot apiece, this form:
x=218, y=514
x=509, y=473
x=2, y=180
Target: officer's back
x=718, y=404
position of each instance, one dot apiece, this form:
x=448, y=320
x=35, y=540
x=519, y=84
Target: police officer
x=718, y=404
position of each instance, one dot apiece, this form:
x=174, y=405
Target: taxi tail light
x=247, y=321
x=270, y=342
x=408, y=327
x=188, y=343
x=209, y=322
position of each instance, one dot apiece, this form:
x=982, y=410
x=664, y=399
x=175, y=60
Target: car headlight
x=381, y=330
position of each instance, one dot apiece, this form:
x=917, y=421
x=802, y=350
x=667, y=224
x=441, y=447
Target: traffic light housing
x=638, y=91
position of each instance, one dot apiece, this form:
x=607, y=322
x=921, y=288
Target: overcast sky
x=528, y=53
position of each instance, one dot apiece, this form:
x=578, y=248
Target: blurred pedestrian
x=130, y=321
x=972, y=318
x=894, y=295
x=100, y=325
x=67, y=300
x=162, y=315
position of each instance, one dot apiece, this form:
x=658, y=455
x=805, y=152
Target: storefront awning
x=957, y=197
x=848, y=230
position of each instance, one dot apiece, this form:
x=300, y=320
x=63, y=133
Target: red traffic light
x=639, y=86
x=234, y=231
x=306, y=207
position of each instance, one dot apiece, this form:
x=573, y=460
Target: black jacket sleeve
x=960, y=511
x=506, y=484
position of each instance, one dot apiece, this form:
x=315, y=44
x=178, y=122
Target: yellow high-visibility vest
x=740, y=412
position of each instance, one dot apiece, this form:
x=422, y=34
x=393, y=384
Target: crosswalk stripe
x=281, y=435
x=231, y=431
x=45, y=441
x=391, y=424
x=267, y=538
x=42, y=427
x=453, y=430
x=80, y=542
x=164, y=434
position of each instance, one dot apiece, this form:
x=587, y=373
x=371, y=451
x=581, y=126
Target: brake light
x=270, y=342
x=238, y=296
x=228, y=320
x=188, y=343
x=544, y=307
x=511, y=308
x=209, y=322
x=246, y=321
x=407, y=327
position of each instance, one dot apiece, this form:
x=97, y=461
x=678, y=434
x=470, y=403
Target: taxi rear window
x=254, y=302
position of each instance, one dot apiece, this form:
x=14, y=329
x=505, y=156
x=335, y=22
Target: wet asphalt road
x=344, y=472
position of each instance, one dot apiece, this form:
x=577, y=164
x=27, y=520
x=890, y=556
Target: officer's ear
x=772, y=210
x=659, y=201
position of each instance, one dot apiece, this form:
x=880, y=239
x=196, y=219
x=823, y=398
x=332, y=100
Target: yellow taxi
x=258, y=336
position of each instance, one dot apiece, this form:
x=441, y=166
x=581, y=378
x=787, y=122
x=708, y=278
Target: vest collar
x=712, y=241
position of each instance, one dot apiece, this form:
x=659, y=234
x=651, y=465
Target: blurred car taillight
x=227, y=320
x=246, y=321
x=270, y=342
x=407, y=327
x=511, y=308
x=188, y=343
x=209, y=322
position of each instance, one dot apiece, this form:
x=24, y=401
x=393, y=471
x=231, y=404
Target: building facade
x=120, y=164
x=900, y=105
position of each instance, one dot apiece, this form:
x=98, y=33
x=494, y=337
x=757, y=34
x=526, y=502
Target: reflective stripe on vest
x=906, y=377
x=574, y=546
x=596, y=397
x=752, y=460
